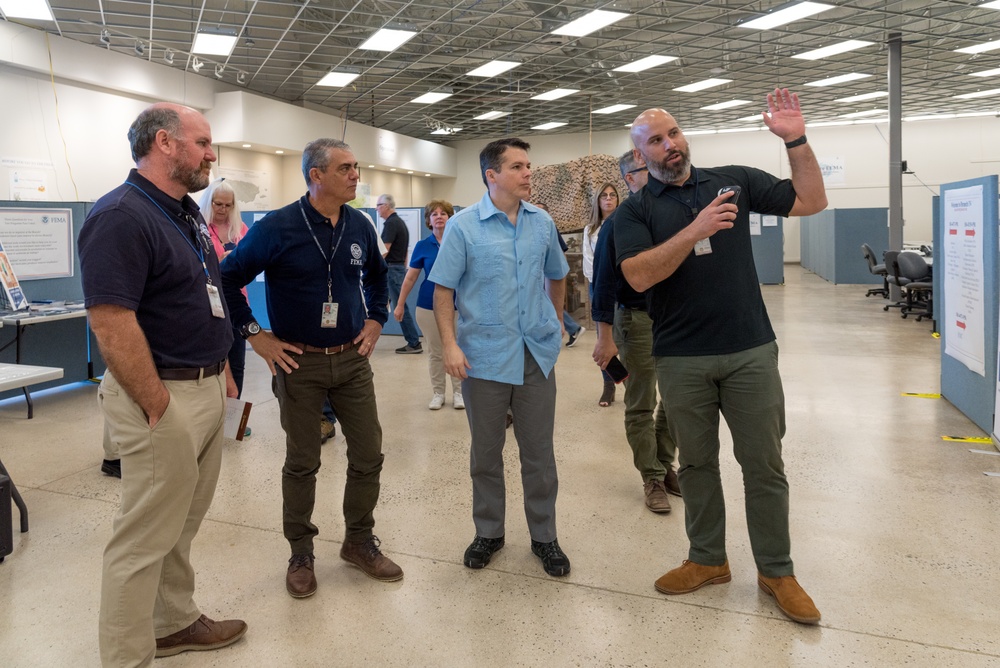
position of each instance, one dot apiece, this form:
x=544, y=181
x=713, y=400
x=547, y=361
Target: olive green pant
x=745, y=388
x=653, y=450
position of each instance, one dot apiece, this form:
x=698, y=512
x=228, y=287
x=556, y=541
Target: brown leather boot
x=690, y=576
x=366, y=556
x=791, y=598
x=300, y=581
x=203, y=634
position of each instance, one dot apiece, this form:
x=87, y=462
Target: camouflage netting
x=567, y=190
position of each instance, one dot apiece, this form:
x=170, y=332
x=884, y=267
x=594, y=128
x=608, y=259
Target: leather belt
x=192, y=374
x=332, y=350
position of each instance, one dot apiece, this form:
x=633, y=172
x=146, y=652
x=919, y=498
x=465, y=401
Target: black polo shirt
x=394, y=232
x=139, y=249
x=712, y=304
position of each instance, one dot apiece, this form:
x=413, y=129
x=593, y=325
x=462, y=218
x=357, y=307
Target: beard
x=671, y=173
x=192, y=179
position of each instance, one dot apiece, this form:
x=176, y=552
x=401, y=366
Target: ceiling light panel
x=646, y=63
x=493, y=68
x=615, y=108
x=833, y=50
x=781, y=17
x=989, y=5
x=213, y=43
x=548, y=126
x=337, y=79
x=980, y=93
x=862, y=114
x=986, y=73
x=36, y=10
x=491, y=115
x=843, y=78
x=702, y=85
x=430, y=98
x=862, y=97
x=981, y=48
x=729, y=104
x=555, y=94
x=387, y=39
x=589, y=23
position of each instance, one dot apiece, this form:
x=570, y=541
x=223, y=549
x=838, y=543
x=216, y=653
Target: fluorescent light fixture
x=862, y=97
x=828, y=124
x=392, y=169
x=862, y=121
x=213, y=43
x=196, y=64
x=371, y=166
x=691, y=133
x=280, y=152
x=930, y=117
x=972, y=114
x=645, y=63
x=787, y=15
x=556, y=93
x=615, y=108
x=426, y=174
x=548, y=126
x=729, y=104
x=387, y=39
x=751, y=118
x=870, y=112
x=493, y=68
x=980, y=48
x=843, y=78
x=986, y=73
x=337, y=79
x=445, y=130
x=490, y=115
x=989, y=5
x=409, y=171
x=732, y=130
x=833, y=49
x=430, y=98
x=702, y=85
x=37, y=10
x=589, y=23
x=980, y=93
x=247, y=145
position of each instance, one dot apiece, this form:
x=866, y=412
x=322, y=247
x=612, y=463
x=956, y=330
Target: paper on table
x=237, y=414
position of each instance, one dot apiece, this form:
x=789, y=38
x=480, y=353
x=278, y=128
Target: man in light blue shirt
x=502, y=258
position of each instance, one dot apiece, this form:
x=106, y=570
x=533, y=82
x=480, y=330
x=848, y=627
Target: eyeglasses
x=637, y=169
x=608, y=196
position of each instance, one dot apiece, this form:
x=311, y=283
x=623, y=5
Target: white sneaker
x=458, y=402
x=436, y=403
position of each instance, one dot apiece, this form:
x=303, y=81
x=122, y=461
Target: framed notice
x=9, y=286
x=38, y=242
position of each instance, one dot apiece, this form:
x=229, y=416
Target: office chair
x=919, y=289
x=894, y=276
x=877, y=270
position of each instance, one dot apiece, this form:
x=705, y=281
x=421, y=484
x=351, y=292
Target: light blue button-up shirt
x=498, y=271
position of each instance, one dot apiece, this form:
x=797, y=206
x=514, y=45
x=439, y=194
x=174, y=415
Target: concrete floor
x=893, y=530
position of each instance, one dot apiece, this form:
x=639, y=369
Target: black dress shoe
x=112, y=467
x=554, y=560
x=481, y=551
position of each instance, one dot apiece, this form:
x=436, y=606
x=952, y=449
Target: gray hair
x=390, y=200
x=142, y=132
x=235, y=220
x=317, y=154
x=627, y=162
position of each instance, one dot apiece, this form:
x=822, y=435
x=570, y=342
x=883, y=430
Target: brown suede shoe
x=670, y=482
x=366, y=556
x=791, y=598
x=656, y=496
x=204, y=634
x=300, y=581
x=690, y=576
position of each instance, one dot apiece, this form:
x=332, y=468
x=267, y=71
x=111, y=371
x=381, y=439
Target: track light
x=219, y=71
x=140, y=48
x=196, y=64
x=241, y=78
x=105, y=36
x=168, y=56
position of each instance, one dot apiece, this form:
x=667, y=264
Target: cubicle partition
x=63, y=343
x=769, y=249
x=830, y=243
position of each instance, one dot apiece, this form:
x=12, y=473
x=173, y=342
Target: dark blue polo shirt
x=610, y=287
x=295, y=273
x=711, y=305
x=138, y=249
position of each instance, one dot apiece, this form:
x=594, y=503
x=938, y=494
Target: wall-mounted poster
x=963, y=322
x=38, y=242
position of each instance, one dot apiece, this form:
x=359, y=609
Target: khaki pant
x=432, y=337
x=169, y=475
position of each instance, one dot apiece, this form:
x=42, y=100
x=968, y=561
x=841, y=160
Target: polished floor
x=893, y=530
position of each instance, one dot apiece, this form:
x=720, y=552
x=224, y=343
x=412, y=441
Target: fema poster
x=963, y=324
x=38, y=242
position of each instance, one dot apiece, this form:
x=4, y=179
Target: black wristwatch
x=249, y=329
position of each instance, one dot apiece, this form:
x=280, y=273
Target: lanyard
x=694, y=209
x=333, y=251
x=200, y=250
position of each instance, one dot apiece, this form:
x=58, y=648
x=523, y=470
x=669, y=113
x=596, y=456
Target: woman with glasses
x=605, y=202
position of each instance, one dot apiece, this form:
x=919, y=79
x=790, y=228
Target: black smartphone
x=732, y=189
x=616, y=370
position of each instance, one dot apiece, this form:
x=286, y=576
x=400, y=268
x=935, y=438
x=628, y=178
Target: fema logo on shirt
x=356, y=254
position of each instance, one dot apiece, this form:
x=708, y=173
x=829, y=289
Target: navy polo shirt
x=712, y=304
x=610, y=287
x=295, y=273
x=139, y=249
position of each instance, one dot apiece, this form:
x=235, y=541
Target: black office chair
x=877, y=270
x=919, y=289
x=894, y=277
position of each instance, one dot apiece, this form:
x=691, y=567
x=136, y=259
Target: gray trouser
x=533, y=405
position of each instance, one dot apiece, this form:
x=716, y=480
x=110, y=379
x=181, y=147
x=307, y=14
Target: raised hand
x=784, y=115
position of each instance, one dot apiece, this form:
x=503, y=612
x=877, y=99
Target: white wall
x=937, y=152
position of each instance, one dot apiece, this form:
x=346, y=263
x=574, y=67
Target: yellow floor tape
x=922, y=395
x=968, y=439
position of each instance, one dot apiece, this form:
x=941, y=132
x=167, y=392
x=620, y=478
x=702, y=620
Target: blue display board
x=971, y=393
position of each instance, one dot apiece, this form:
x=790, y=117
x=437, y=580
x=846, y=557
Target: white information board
x=38, y=242
x=963, y=323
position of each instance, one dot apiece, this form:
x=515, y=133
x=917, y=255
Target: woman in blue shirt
x=436, y=215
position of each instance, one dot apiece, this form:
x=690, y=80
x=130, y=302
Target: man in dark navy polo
x=315, y=254
x=149, y=270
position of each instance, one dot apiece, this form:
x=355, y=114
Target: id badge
x=216, y=301
x=703, y=247
x=329, y=316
